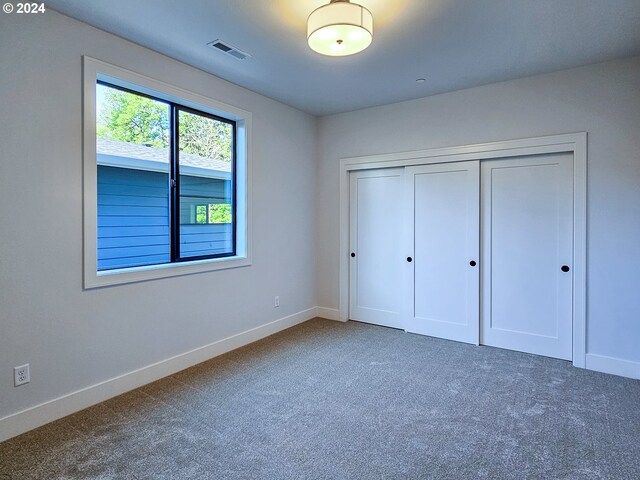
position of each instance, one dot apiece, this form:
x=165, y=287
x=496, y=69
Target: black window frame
x=174, y=174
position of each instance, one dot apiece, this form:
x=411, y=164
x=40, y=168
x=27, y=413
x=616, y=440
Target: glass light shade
x=340, y=28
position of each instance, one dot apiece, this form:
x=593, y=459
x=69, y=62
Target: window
x=161, y=168
x=209, y=214
x=165, y=189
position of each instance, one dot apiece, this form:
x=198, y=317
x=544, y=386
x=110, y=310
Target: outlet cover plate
x=21, y=375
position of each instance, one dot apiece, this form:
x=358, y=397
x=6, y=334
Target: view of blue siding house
x=133, y=205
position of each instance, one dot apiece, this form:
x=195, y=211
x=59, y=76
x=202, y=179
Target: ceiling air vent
x=228, y=49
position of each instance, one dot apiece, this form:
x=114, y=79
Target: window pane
x=133, y=179
x=201, y=214
x=206, y=185
x=219, y=213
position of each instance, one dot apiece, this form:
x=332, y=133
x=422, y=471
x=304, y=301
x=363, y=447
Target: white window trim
x=94, y=70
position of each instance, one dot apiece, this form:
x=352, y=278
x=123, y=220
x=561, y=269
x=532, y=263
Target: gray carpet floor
x=326, y=400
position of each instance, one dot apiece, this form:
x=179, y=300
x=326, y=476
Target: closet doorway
x=479, y=251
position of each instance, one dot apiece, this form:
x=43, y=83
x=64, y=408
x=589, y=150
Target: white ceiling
x=453, y=44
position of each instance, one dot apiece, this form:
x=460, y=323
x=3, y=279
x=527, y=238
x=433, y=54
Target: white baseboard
x=25, y=420
x=28, y=419
x=615, y=366
x=328, y=313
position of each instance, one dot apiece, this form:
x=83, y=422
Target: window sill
x=140, y=274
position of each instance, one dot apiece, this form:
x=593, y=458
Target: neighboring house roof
x=129, y=155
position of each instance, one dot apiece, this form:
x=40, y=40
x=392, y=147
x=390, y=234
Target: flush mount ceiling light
x=340, y=28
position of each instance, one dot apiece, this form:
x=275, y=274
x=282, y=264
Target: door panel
x=527, y=237
x=442, y=288
x=375, y=237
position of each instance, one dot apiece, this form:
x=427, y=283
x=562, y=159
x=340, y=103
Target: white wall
x=603, y=100
x=73, y=338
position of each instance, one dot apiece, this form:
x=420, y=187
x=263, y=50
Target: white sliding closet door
x=527, y=246
x=375, y=273
x=442, y=245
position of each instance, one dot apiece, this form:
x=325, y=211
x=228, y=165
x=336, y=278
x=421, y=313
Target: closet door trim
x=575, y=143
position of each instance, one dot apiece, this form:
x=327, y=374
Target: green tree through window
x=219, y=213
x=133, y=118
x=140, y=120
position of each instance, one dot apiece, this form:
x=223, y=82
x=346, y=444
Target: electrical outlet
x=276, y=301
x=21, y=375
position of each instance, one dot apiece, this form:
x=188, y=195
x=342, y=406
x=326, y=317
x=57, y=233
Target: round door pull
x=409, y=259
x=565, y=268
x=473, y=263
x=353, y=254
